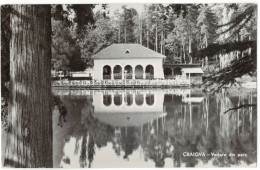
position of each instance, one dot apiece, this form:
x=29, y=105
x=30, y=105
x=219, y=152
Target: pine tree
x=244, y=65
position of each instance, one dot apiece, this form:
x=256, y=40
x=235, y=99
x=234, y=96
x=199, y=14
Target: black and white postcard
x=129, y=85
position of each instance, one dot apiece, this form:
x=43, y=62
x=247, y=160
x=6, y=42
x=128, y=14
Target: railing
x=179, y=81
x=77, y=92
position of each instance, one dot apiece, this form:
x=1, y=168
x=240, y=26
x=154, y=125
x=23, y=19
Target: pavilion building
x=128, y=61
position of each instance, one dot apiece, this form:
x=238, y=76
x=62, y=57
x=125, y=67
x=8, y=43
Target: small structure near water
x=128, y=61
x=194, y=74
x=189, y=71
x=133, y=66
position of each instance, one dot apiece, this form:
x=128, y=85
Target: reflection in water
x=155, y=129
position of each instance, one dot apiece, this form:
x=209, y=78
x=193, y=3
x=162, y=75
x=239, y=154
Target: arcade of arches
x=138, y=99
x=128, y=72
x=170, y=72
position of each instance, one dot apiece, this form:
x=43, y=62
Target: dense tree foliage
x=235, y=46
x=69, y=24
x=185, y=33
x=215, y=35
x=91, y=44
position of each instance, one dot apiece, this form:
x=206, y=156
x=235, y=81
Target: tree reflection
x=190, y=127
x=90, y=131
x=83, y=153
x=129, y=140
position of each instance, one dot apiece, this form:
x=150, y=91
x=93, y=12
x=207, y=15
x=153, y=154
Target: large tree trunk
x=190, y=50
x=119, y=34
x=162, y=42
x=125, y=33
x=164, y=35
x=156, y=38
x=207, y=63
x=184, y=57
x=181, y=53
x=147, y=39
x=141, y=31
x=29, y=136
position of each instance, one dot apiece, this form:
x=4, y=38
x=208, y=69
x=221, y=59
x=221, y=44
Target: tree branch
x=240, y=107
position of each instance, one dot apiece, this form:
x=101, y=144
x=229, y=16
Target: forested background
x=210, y=34
x=221, y=37
x=178, y=31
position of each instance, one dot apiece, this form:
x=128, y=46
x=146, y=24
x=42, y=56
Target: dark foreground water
x=155, y=128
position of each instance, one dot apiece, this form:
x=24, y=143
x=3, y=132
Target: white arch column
x=123, y=71
x=123, y=99
x=133, y=71
x=112, y=72
x=112, y=99
x=144, y=99
x=144, y=67
x=134, y=103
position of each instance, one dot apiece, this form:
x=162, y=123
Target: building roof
x=192, y=70
x=121, y=51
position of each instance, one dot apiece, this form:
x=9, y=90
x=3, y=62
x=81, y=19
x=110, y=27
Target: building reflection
x=160, y=126
x=128, y=108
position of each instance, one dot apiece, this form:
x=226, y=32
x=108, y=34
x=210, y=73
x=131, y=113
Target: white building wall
x=100, y=63
x=157, y=106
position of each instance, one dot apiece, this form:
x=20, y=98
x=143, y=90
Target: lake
x=138, y=128
x=155, y=128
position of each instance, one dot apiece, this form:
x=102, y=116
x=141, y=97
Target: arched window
x=107, y=100
x=149, y=99
x=128, y=99
x=128, y=72
x=106, y=72
x=177, y=71
x=118, y=100
x=139, y=99
x=149, y=72
x=117, y=71
x=139, y=72
x=167, y=72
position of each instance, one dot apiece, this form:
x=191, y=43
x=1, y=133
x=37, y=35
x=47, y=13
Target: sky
x=113, y=7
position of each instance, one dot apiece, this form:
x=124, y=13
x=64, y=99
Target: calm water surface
x=154, y=128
